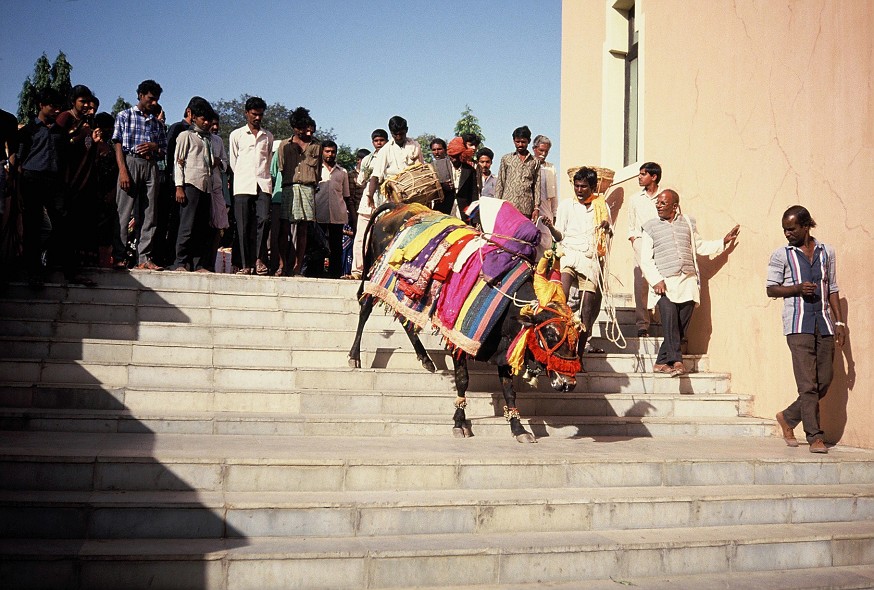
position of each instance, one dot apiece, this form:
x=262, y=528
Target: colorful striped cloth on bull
x=441, y=274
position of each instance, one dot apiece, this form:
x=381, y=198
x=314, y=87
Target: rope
x=517, y=302
x=613, y=331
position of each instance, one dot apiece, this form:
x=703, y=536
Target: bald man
x=668, y=261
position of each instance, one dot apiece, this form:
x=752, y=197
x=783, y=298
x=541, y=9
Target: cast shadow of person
x=96, y=484
x=833, y=407
x=701, y=326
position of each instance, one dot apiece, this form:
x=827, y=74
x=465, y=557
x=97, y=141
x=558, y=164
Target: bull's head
x=548, y=342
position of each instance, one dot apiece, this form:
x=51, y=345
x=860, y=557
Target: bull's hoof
x=354, y=363
x=428, y=365
x=526, y=437
x=462, y=432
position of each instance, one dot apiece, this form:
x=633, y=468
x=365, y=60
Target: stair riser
x=385, y=426
x=118, y=473
x=339, y=378
x=377, y=352
x=366, y=569
x=18, y=298
x=106, y=522
x=143, y=402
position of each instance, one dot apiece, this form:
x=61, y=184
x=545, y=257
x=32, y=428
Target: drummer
x=399, y=153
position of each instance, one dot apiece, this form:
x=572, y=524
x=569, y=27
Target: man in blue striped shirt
x=804, y=275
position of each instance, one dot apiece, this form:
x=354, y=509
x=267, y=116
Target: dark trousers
x=675, y=322
x=166, y=221
x=334, y=231
x=140, y=201
x=812, y=362
x=192, y=242
x=43, y=193
x=252, y=213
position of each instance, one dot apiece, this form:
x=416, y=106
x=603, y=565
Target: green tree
x=345, y=156
x=41, y=79
x=425, y=143
x=61, y=71
x=233, y=115
x=120, y=105
x=468, y=123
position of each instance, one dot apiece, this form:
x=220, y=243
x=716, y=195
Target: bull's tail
x=369, y=255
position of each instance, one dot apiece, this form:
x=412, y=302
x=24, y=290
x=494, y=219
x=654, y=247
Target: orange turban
x=457, y=147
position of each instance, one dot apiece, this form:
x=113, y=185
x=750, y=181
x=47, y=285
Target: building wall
x=750, y=106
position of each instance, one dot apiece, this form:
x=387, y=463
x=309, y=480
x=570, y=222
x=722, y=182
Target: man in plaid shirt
x=140, y=140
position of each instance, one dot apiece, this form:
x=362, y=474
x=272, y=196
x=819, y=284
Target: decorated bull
x=479, y=289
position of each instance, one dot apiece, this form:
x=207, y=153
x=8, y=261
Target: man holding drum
x=399, y=153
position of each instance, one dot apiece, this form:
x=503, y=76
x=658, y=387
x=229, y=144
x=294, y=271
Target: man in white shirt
x=642, y=209
x=368, y=202
x=399, y=153
x=669, y=246
x=582, y=225
x=548, y=191
x=331, y=211
x=251, y=149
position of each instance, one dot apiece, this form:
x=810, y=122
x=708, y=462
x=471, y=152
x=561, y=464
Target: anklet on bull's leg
x=461, y=428
x=513, y=416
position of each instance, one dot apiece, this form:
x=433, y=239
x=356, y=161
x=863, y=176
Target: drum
x=416, y=184
x=605, y=177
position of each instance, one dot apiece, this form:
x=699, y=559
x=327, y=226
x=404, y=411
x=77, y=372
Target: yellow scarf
x=601, y=215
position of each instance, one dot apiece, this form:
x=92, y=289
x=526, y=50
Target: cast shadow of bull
x=80, y=474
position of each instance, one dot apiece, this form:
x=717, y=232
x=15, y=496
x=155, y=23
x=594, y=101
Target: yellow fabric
x=416, y=245
x=601, y=215
x=516, y=356
x=544, y=289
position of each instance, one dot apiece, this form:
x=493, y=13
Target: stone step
x=170, y=515
x=439, y=560
x=365, y=425
x=378, y=351
x=59, y=300
x=33, y=461
x=334, y=328
x=279, y=379
x=130, y=286
x=856, y=577
x=140, y=401
x=66, y=304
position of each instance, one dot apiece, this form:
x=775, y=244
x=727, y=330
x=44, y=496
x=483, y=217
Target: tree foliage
x=233, y=115
x=45, y=75
x=425, y=140
x=61, y=71
x=469, y=123
x=120, y=105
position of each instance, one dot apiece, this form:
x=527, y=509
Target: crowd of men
x=132, y=192
x=128, y=191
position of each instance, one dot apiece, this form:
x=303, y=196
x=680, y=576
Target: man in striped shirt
x=803, y=273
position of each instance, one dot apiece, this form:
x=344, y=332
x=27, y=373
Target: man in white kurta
x=580, y=223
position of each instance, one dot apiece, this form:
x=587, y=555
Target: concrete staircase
x=171, y=430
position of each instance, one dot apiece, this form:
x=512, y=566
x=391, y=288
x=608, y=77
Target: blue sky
x=353, y=64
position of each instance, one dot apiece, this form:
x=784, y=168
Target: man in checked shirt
x=140, y=140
